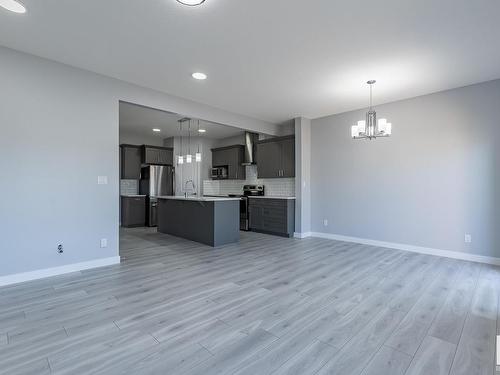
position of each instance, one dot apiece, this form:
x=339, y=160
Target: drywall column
x=302, y=177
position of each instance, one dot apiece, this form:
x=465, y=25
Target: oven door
x=244, y=215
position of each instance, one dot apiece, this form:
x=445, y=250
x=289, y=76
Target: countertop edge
x=270, y=197
x=207, y=199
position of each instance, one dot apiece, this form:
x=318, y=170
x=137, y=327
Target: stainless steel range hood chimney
x=250, y=140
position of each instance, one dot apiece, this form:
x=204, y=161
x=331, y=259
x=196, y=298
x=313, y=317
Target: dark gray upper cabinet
x=288, y=157
x=131, y=157
x=268, y=159
x=232, y=157
x=276, y=157
x=157, y=155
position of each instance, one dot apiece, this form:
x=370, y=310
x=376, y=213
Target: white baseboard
x=412, y=248
x=302, y=235
x=48, y=272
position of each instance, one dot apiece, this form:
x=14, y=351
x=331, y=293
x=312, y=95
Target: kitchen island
x=210, y=220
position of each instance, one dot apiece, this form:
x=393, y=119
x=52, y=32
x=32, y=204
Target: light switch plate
x=468, y=238
x=102, y=180
x=104, y=242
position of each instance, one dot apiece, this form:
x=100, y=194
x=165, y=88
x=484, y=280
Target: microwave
x=219, y=173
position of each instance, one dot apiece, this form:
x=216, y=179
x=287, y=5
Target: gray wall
x=230, y=141
x=140, y=139
x=59, y=131
x=434, y=180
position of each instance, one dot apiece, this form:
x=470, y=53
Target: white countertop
x=268, y=197
x=219, y=196
x=198, y=199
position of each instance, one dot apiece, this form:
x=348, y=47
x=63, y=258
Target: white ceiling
x=270, y=59
x=141, y=121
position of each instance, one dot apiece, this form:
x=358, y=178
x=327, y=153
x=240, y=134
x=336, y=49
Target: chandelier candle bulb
x=354, y=131
x=382, y=125
x=189, y=158
x=361, y=126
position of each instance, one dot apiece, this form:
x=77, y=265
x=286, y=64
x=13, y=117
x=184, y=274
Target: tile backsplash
x=129, y=187
x=280, y=187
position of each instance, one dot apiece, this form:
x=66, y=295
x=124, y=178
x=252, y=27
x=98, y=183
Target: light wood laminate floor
x=267, y=305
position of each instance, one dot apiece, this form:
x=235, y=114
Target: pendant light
x=180, y=158
x=198, y=154
x=189, y=157
x=370, y=128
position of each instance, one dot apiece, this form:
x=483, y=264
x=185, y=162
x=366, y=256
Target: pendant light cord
x=199, y=137
x=371, y=96
x=180, y=130
x=189, y=137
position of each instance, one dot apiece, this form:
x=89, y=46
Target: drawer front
x=268, y=202
x=274, y=225
x=274, y=212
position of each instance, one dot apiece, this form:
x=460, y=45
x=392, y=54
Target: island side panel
x=193, y=220
x=226, y=222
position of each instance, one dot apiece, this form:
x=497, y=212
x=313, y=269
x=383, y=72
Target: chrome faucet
x=193, y=189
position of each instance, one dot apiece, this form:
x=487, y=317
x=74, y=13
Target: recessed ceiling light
x=13, y=6
x=191, y=2
x=156, y=130
x=202, y=130
x=199, y=75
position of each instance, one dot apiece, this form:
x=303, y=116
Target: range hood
x=250, y=140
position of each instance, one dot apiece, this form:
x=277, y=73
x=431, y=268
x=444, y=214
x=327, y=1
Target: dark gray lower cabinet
x=274, y=216
x=213, y=223
x=133, y=211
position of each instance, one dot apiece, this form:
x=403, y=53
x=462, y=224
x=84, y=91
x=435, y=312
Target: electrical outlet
x=60, y=248
x=325, y=222
x=468, y=238
x=104, y=242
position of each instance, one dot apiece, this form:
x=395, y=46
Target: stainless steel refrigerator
x=156, y=181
